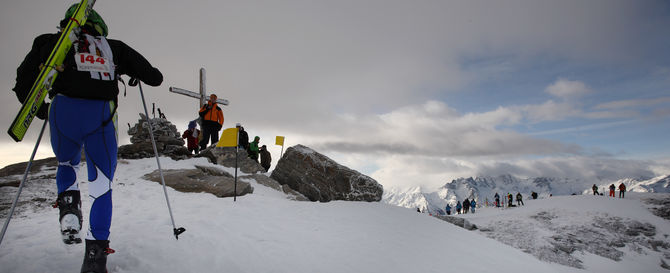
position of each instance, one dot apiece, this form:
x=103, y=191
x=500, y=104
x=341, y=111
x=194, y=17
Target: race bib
x=92, y=63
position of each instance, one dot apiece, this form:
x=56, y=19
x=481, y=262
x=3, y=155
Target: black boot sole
x=71, y=236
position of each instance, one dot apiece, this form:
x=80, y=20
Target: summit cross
x=202, y=96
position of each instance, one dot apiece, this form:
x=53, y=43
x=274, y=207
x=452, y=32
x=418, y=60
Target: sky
x=412, y=93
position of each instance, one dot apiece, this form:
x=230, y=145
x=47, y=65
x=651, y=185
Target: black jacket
x=266, y=159
x=244, y=139
x=79, y=84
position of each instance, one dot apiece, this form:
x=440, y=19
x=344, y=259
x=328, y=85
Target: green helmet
x=94, y=20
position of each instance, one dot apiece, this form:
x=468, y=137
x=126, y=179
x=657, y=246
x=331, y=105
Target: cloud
x=550, y=111
x=581, y=167
x=589, y=127
x=633, y=103
x=431, y=172
x=564, y=88
x=434, y=129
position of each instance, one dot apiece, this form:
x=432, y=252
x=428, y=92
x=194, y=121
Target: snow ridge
x=482, y=189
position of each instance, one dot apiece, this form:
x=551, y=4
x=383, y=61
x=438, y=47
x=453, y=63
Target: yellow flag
x=279, y=141
x=228, y=138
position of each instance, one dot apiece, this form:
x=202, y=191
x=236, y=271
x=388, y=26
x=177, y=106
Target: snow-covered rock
x=320, y=178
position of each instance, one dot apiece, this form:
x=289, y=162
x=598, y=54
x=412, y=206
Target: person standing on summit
x=212, y=121
x=82, y=113
x=622, y=190
x=191, y=135
x=253, y=148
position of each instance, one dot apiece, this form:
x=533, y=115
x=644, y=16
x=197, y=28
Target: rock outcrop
x=225, y=156
x=168, y=140
x=202, y=179
x=458, y=221
x=319, y=178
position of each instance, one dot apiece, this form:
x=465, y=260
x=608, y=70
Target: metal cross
x=202, y=96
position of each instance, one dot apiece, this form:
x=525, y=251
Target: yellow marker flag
x=279, y=141
x=228, y=138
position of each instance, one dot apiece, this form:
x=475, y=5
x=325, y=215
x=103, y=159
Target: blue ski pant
x=75, y=123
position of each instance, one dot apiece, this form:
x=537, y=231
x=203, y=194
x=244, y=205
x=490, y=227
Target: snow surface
x=592, y=223
x=266, y=232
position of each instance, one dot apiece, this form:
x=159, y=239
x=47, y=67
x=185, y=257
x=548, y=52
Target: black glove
x=43, y=112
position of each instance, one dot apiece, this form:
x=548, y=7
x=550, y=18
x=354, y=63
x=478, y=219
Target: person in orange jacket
x=622, y=190
x=212, y=121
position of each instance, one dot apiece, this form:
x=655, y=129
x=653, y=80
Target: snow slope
x=583, y=231
x=261, y=232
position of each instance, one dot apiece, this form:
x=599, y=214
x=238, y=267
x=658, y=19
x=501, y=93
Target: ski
x=49, y=71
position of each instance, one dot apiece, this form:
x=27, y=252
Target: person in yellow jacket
x=212, y=121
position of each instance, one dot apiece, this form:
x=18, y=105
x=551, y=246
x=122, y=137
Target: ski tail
x=48, y=73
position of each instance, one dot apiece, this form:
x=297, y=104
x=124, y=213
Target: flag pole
x=237, y=151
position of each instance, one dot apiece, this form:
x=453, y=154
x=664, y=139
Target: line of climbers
x=470, y=205
x=622, y=190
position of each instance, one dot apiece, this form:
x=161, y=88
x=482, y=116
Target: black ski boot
x=69, y=204
x=95, y=257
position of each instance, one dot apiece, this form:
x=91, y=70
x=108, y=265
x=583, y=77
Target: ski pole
x=23, y=181
x=176, y=230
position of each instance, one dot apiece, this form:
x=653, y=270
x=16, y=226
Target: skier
x=533, y=195
x=595, y=189
x=191, y=135
x=622, y=190
x=466, y=206
x=212, y=121
x=509, y=200
x=612, y=188
x=266, y=158
x=497, y=198
x=458, y=207
x=519, y=199
x=473, y=205
x=83, y=113
x=448, y=209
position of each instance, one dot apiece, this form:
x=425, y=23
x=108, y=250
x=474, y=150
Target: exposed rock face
x=20, y=168
x=225, y=156
x=202, y=179
x=660, y=205
x=561, y=241
x=319, y=178
x=269, y=182
x=457, y=221
x=168, y=140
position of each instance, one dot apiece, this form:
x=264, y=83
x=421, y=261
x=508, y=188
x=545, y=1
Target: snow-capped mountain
x=483, y=189
x=658, y=184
